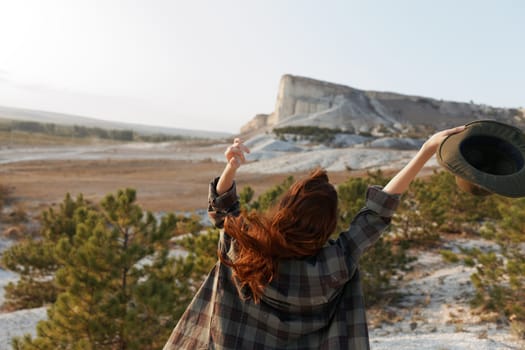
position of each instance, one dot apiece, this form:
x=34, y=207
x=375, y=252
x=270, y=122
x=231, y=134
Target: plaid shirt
x=314, y=303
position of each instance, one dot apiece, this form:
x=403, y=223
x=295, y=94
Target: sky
x=214, y=64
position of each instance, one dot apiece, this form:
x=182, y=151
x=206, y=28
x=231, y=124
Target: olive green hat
x=487, y=157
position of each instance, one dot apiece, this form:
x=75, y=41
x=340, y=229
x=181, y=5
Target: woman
x=280, y=283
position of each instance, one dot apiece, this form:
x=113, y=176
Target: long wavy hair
x=298, y=227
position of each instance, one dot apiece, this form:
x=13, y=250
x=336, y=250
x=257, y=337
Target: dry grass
x=162, y=185
x=26, y=139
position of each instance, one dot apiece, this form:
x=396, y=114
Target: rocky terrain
x=305, y=101
x=434, y=312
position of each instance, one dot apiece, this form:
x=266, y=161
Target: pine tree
x=500, y=276
x=189, y=272
x=267, y=199
x=441, y=202
x=115, y=280
x=34, y=258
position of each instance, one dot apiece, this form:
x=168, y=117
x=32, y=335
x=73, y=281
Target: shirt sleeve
x=369, y=223
x=219, y=206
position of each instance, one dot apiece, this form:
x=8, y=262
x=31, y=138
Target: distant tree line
x=77, y=131
x=322, y=135
x=311, y=133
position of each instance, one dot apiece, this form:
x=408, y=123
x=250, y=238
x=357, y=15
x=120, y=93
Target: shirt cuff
x=226, y=200
x=384, y=204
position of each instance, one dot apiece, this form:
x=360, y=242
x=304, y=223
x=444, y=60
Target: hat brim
x=450, y=156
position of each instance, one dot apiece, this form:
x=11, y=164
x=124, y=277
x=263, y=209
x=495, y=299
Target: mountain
x=304, y=101
x=21, y=114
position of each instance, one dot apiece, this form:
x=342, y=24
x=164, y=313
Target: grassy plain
x=161, y=184
x=22, y=138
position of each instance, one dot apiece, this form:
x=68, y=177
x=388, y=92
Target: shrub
x=500, y=275
x=267, y=199
x=449, y=256
x=311, y=133
x=106, y=273
x=436, y=204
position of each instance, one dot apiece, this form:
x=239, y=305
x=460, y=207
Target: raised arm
x=235, y=157
x=399, y=183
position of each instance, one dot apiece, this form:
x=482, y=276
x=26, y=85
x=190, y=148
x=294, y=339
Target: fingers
x=441, y=135
x=238, y=142
x=435, y=140
x=235, y=153
x=455, y=130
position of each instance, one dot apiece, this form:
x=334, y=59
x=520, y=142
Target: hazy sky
x=213, y=65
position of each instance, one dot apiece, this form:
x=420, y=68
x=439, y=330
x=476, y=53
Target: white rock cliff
x=309, y=102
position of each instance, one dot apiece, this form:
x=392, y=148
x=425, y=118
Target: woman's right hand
x=235, y=157
x=235, y=153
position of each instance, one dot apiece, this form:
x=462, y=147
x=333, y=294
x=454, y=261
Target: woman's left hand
x=400, y=182
x=432, y=144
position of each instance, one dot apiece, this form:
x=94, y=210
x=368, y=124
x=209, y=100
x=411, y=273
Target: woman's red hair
x=299, y=227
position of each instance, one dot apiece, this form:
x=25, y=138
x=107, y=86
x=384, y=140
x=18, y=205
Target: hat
x=486, y=157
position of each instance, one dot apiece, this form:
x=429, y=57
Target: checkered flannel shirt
x=314, y=303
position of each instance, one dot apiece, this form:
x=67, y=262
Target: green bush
x=266, y=200
x=106, y=275
x=449, y=256
x=311, y=133
x=435, y=205
x=500, y=275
